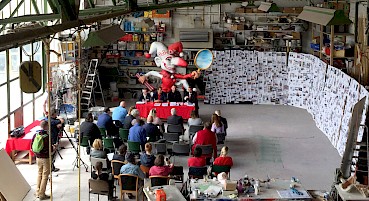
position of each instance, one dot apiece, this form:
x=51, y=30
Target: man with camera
x=56, y=126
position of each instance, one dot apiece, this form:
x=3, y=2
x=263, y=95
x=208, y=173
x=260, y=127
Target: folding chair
x=134, y=147
x=171, y=137
x=171, y=128
x=216, y=169
x=159, y=180
x=102, y=132
x=99, y=187
x=85, y=142
x=123, y=134
x=109, y=144
x=159, y=148
x=115, y=168
x=197, y=172
x=181, y=149
x=177, y=174
x=130, y=184
x=103, y=160
x=193, y=129
x=207, y=152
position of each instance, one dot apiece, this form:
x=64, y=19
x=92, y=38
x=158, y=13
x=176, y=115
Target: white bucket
x=113, y=86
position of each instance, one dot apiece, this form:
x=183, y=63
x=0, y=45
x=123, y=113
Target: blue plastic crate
x=315, y=46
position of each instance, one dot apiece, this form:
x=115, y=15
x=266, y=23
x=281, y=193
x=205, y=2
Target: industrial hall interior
x=175, y=100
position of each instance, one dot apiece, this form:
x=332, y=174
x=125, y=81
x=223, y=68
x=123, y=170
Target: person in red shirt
x=197, y=160
x=224, y=159
x=159, y=168
x=205, y=137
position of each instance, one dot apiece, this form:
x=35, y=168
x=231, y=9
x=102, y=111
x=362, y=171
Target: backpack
x=17, y=132
x=38, y=142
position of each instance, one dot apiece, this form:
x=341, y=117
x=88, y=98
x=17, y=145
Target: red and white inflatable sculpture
x=168, y=59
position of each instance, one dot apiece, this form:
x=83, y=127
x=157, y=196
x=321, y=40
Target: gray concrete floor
x=279, y=141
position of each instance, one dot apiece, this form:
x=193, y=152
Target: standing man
x=145, y=97
x=137, y=133
x=191, y=96
x=174, y=95
x=159, y=96
x=56, y=126
x=43, y=162
x=119, y=114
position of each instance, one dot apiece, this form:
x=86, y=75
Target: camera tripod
x=75, y=162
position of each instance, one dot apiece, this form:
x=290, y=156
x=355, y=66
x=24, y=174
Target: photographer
x=56, y=125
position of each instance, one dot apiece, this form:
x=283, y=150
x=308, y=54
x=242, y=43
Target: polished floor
x=264, y=140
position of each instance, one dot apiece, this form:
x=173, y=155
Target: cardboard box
x=248, y=10
x=240, y=10
x=296, y=35
x=160, y=195
x=237, y=27
x=230, y=185
x=339, y=53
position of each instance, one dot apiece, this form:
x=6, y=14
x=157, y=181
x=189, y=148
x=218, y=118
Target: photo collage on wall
x=305, y=81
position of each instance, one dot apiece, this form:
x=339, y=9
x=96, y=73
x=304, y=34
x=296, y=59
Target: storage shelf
x=144, y=32
x=284, y=31
x=339, y=34
x=278, y=23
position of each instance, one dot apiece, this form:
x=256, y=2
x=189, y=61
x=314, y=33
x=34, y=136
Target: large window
x=15, y=95
x=3, y=136
x=14, y=63
x=4, y=102
x=2, y=67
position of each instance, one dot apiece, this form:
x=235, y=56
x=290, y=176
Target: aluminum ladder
x=92, y=81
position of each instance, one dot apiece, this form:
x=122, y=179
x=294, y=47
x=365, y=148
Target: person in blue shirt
x=132, y=168
x=104, y=120
x=137, y=133
x=119, y=114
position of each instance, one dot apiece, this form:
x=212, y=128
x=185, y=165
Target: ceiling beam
x=12, y=40
x=53, y=5
x=68, y=10
x=12, y=14
x=3, y=3
x=91, y=3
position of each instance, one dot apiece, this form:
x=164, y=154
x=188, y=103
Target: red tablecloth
x=24, y=143
x=163, y=112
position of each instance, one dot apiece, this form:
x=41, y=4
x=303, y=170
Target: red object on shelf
x=128, y=37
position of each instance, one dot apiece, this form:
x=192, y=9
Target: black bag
x=17, y=132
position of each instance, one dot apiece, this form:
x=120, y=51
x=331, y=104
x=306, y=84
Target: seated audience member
x=130, y=110
x=174, y=95
x=205, y=137
x=159, y=96
x=145, y=96
x=147, y=159
x=197, y=160
x=194, y=120
x=98, y=174
x=159, y=168
x=152, y=131
x=121, y=156
x=132, y=168
x=119, y=114
x=217, y=126
x=104, y=120
x=174, y=119
x=97, y=151
x=157, y=121
x=224, y=159
x=89, y=129
x=223, y=120
x=191, y=96
x=137, y=133
x=128, y=120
